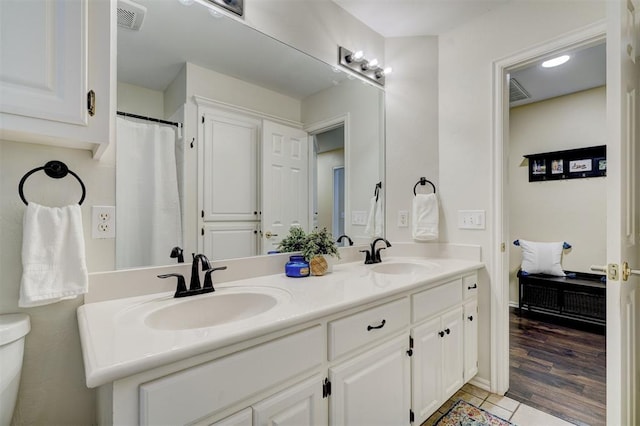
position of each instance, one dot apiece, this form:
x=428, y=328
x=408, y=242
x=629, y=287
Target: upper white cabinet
x=57, y=73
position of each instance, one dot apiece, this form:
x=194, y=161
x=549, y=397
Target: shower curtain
x=148, y=218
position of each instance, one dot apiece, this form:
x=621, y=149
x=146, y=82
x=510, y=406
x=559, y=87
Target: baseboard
x=513, y=304
x=481, y=383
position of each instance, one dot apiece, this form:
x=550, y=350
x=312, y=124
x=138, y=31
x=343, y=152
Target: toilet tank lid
x=13, y=327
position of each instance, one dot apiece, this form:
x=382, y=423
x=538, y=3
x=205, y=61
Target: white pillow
x=542, y=258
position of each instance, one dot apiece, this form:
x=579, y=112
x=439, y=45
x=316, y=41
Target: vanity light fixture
x=358, y=64
x=556, y=61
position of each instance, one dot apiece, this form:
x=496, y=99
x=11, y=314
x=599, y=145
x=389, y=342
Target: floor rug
x=464, y=414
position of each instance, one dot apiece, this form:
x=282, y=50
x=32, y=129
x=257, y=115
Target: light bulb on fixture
x=369, y=65
x=383, y=72
x=355, y=57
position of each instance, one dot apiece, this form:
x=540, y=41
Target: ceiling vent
x=130, y=14
x=516, y=91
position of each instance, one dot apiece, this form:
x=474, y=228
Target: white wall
x=466, y=55
x=561, y=210
x=52, y=388
x=326, y=162
x=411, y=124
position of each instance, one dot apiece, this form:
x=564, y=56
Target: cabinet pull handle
x=448, y=331
x=471, y=287
x=371, y=327
x=470, y=317
x=441, y=333
x=91, y=103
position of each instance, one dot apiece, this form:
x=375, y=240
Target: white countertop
x=116, y=343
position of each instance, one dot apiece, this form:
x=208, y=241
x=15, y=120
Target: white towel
x=53, y=256
x=375, y=219
x=425, y=217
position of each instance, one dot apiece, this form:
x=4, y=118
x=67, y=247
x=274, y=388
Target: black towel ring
x=423, y=181
x=56, y=170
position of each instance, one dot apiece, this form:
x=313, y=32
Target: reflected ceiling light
x=356, y=62
x=556, y=61
x=186, y=2
x=215, y=13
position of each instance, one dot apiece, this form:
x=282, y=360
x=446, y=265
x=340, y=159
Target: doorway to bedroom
x=557, y=361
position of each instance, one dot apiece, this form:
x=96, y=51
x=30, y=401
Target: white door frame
x=500, y=147
x=322, y=126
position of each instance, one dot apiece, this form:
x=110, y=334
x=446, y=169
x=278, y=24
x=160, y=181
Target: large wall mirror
x=271, y=138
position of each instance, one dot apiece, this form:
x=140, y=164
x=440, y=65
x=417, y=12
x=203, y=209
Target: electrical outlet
x=103, y=222
x=403, y=218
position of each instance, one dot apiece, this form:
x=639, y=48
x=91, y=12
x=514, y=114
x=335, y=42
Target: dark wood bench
x=578, y=297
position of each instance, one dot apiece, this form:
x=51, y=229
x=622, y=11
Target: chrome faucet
x=194, y=285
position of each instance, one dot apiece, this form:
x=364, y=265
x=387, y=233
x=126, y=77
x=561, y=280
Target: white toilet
x=13, y=328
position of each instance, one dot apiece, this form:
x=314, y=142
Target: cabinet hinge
x=203, y=119
x=410, y=351
x=91, y=103
x=202, y=213
x=412, y=416
x=202, y=231
x=326, y=388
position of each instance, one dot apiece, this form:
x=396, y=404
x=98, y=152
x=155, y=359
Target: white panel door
x=230, y=166
x=426, y=369
x=285, y=182
x=229, y=240
x=373, y=388
x=299, y=405
x=470, y=339
x=623, y=229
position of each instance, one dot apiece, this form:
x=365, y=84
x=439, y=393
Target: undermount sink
x=210, y=310
x=403, y=268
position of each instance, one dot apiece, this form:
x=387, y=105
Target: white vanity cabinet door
x=437, y=362
x=53, y=52
x=470, y=339
x=373, y=388
x=426, y=369
x=242, y=418
x=301, y=404
x=229, y=166
x=452, y=352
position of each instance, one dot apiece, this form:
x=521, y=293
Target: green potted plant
x=318, y=249
x=295, y=241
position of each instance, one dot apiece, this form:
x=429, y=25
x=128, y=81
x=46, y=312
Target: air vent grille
x=516, y=91
x=130, y=14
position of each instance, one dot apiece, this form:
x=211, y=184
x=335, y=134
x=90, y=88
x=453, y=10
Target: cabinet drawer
x=470, y=286
x=364, y=327
x=199, y=391
x=429, y=302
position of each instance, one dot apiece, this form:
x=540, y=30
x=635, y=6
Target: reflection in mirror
x=271, y=138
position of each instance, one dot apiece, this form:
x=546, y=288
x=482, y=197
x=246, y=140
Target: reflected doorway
x=328, y=159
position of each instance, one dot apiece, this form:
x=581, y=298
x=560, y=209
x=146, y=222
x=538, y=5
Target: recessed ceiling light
x=555, y=61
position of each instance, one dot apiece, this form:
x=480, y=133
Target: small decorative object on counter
x=297, y=267
x=318, y=249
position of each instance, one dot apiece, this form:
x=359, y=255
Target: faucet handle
x=182, y=286
x=208, y=281
x=367, y=260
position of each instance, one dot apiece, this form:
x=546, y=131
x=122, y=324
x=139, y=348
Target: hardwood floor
x=558, y=369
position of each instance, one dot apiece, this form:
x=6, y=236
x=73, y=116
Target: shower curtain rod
x=155, y=120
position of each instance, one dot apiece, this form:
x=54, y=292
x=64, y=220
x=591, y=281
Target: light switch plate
x=471, y=219
x=358, y=217
x=403, y=218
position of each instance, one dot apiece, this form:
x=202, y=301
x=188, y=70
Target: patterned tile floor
x=507, y=408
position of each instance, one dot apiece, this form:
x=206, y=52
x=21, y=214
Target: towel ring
x=423, y=181
x=54, y=169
